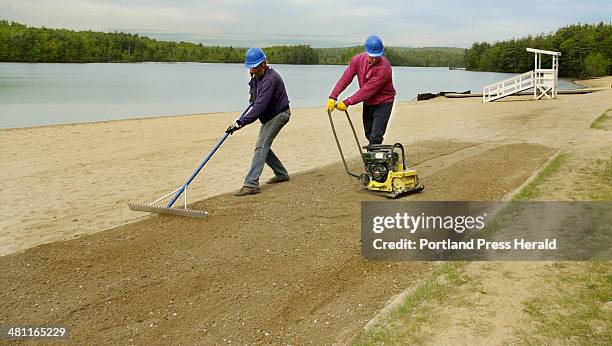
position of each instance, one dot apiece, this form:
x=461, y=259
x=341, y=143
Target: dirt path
x=488, y=307
x=280, y=266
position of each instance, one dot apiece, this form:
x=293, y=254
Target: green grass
x=599, y=122
x=576, y=310
x=598, y=176
x=531, y=191
x=603, y=174
x=573, y=305
x=403, y=323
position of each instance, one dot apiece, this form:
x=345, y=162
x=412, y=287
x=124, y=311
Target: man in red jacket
x=376, y=89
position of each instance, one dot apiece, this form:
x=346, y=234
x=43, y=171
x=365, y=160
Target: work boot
x=246, y=190
x=276, y=180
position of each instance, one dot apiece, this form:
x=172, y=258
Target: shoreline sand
x=61, y=181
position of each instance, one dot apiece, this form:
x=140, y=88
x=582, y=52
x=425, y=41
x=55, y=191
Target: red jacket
x=375, y=82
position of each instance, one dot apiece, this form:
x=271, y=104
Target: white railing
x=508, y=87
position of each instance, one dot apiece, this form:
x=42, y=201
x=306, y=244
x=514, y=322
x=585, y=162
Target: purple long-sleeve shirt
x=269, y=98
x=375, y=81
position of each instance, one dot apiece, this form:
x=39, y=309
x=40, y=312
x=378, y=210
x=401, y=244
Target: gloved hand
x=235, y=126
x=341, y=106
x=331, y=104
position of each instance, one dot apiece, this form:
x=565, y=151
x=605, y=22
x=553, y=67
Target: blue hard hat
x=254, y=56
x=374, y=46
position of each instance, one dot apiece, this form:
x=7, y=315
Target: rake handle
x=212, y=152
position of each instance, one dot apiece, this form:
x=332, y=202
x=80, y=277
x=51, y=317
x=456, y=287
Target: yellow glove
x=341, y=106
x=331, y=104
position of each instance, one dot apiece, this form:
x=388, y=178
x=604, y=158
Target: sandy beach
x=280, y=267
x=62, y=181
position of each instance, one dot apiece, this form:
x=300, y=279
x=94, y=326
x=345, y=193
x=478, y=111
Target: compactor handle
x=331, y=122
x=399, y=145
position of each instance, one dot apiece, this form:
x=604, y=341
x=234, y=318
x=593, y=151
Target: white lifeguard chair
x=543, y=81
x=546, y=80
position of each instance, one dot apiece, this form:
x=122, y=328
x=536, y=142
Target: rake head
x=200, y=214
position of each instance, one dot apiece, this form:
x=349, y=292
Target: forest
x=586, y=51
x=20, y=43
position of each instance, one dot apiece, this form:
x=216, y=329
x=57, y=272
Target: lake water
x=46, y=94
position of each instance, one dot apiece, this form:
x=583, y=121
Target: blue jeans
x=375, y=119
x=263, y=151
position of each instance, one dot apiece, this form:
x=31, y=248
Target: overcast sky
x=318, y=23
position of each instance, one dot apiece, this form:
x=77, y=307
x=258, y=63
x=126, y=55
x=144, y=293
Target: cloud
x=102, y=15
x=321, y=23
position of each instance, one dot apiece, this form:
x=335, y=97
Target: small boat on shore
x=427, y=96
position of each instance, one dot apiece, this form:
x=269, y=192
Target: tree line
x=399, y=56
x=586, y=51
x=20, y=43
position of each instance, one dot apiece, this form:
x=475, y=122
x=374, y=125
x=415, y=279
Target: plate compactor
x=385, y=171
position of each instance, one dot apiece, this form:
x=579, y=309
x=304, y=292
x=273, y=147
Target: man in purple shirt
x=376, y=89
x=271, y=107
